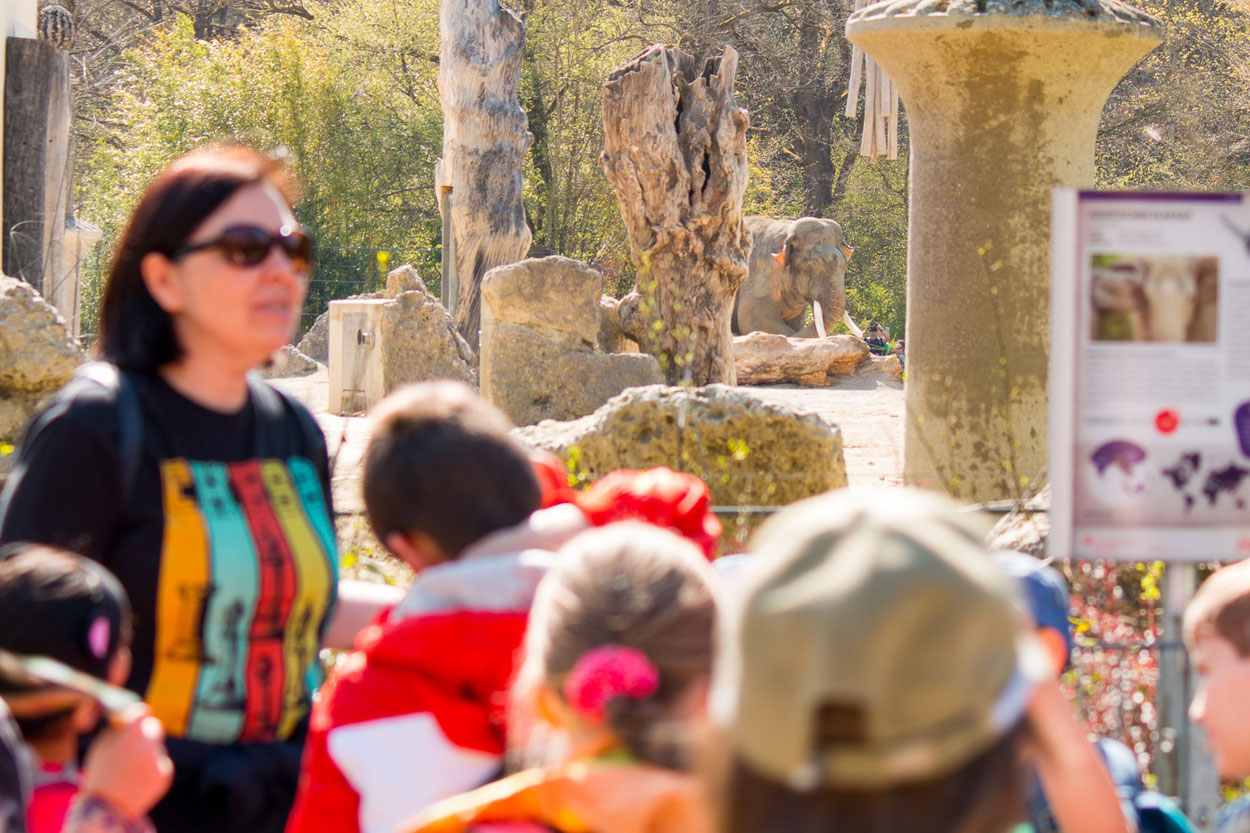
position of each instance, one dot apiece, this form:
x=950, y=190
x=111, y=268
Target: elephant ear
x=777, y=277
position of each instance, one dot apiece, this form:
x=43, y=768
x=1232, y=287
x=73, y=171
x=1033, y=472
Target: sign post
x=1150, y=410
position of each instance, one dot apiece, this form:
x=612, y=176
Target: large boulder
x=420, y=342
x=749, y=452
x=540, y=324
x=37, y=353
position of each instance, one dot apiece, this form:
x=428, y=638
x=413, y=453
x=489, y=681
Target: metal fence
x=340, y=272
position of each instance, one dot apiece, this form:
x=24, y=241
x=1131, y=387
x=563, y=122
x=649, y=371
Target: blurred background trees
x=346, y=88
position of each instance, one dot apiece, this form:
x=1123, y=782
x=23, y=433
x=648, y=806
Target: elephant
x=794, y=263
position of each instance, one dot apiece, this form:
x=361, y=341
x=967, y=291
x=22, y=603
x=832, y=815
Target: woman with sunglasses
x=219, y=522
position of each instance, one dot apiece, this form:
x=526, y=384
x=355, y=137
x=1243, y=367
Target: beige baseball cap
x=874, y=642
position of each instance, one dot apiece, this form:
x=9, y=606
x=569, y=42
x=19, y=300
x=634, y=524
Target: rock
x=37, y=353
x=540, y=322
x=769, y=358
x=420, y=342
x=37, y=356
x=288, y=361
x=1026, y=528
x=404, y=279
x=749, y=452
x=612, y=338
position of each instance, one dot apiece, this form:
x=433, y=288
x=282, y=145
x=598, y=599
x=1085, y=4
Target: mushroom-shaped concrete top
x=1098, y=11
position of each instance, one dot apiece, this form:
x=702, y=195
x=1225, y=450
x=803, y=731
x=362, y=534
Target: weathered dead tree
x=485, y=138
x=675, y=151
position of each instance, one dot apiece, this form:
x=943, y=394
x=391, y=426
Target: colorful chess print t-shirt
x=225, y=544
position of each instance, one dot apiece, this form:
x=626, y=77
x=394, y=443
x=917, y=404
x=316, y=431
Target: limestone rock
x=420, y=342
x=540, y=322
x=404, y=279
x=1026, y=528
x=288, y=361
x=551, y=293
x=612, y=338
x=749, y=452
x=769, y=358
x=37, y=353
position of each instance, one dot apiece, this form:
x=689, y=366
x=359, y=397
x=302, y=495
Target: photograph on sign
x=1150, y=382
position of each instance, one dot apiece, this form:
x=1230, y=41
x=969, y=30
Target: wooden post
x=675, y=151
x=36, y=162
x=449, y=286
x=485, y=138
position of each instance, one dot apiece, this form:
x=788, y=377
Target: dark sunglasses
x=249, y=245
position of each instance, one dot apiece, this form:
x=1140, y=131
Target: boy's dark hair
x=441, y=461
x=1222, y=606
x=135, y=333
x=60, y=605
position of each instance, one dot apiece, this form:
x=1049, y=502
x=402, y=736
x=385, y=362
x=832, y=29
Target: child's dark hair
x=441, y=461
x=60, y=605
x=636, y=587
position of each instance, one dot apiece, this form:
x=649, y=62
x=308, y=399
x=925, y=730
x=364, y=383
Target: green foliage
x=363, y=150
x=570, y=49
x=1181, y=119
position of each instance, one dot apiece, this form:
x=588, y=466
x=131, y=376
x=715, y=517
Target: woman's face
x=241, y=314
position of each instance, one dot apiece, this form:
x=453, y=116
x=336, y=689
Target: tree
x=364, y=153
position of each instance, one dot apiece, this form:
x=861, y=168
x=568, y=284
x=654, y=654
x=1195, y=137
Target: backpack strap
x=276, y=404
x=129, y=416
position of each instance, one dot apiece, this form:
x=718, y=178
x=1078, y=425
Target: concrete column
x=1003, y=102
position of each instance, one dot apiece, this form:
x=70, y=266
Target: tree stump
x=675, y=151
x=485, y=138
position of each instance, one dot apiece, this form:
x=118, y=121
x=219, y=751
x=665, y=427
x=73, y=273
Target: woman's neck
x=216, y=385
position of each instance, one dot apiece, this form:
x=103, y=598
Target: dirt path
x=869, y=410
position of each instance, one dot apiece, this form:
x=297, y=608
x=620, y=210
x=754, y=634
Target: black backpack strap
x=129, y=416
x=276, y=404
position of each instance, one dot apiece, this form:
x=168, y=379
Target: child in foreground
x=59, y=605
x=617, y=659
x=1060, y=796
x=1217, y=633
x=416, y=712
x=878, y=676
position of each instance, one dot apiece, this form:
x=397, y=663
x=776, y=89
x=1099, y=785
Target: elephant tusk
x=818, y=315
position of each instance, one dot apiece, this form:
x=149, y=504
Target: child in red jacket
x=416, y=712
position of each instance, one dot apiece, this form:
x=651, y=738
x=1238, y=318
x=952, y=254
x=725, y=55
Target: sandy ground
x=869, y=410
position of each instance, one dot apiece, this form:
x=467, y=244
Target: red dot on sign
x=1167, y=420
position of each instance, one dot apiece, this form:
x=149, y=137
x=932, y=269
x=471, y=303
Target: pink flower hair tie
x=607, y=672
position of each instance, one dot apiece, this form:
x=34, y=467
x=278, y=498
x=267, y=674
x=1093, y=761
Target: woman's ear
x=160, y=276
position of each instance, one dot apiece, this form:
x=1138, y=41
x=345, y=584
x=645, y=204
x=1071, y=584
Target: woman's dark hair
x=986, y=795
x=60, y=605
x=135, y=333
